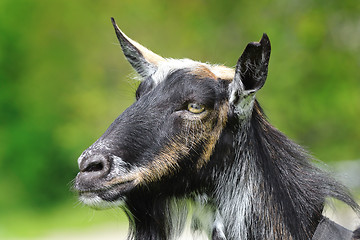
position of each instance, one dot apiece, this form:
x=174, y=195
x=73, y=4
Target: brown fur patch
x=214, y=72
x=203, y=72
x=204, y=130
x=130, y=177
x=214, y=135
x=165, y=162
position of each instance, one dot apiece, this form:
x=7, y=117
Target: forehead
x=187, y=85
x=201, y=70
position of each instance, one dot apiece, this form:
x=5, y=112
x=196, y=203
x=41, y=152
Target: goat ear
x=144, y=61
x=251, y=70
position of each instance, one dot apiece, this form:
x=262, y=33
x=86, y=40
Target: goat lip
x=109, y=193
x=87, y=194
x=116, y=192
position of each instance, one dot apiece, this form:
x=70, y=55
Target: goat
x=196, y=142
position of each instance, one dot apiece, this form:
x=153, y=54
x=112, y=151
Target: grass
x=72, y=217
x=68, y=217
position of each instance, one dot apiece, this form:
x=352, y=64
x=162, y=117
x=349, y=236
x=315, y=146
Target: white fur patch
x=202, y=218
x=170, y=65
x=164, y=68
x=94, y=201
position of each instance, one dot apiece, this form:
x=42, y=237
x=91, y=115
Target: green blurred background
x=63, y=80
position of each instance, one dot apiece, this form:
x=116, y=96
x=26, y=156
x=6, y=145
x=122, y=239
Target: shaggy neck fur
x=257, y=185
x=269, y=190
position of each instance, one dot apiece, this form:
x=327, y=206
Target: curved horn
x=144, y=61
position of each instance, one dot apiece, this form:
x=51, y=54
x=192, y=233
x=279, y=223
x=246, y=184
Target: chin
x=100, y=202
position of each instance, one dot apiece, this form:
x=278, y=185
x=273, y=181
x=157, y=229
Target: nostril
x=94, y=167
x=94, y=164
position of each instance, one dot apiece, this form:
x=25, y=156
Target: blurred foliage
x=63, y=78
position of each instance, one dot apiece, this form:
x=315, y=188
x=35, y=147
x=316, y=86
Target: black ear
x=252, y=66
x=144, y=61
x=250, y=75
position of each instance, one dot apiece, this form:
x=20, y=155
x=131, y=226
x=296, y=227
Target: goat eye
x=196, y=108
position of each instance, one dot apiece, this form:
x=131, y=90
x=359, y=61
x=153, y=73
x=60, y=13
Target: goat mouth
x=102, y=197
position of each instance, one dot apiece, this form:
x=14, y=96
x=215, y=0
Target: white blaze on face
x=171, y=65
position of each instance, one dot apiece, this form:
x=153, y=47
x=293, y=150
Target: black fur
x=289, y=183
x=253, y=180
x=296, y=188
x=356, y=234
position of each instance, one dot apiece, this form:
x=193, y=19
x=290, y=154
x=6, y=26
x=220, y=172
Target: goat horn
x=144, y=61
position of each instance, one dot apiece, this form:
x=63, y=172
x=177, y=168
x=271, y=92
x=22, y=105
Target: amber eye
x=196, y=108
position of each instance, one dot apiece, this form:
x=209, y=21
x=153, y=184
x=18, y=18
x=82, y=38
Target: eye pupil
x=195, y=105
x=195, y=108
